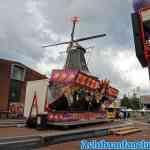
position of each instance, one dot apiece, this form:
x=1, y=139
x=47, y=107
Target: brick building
x=13, y=79
x=145, y=100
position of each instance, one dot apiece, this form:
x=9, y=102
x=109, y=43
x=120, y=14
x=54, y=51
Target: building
x=145, y=100
x=13, y=79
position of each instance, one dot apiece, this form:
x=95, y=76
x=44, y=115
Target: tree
x=135, y=102
x=125, y=102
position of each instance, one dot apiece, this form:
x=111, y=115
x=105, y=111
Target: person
x=81, y=93
x=87, y=98
x=75, y=97
x=90, y=106
x=125, y=115
x=117, y=115
x=97, y=100
x=121, y=115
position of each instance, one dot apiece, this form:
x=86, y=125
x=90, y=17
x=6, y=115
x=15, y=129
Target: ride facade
x=73, y=94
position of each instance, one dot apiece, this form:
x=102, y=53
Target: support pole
x=149, y=69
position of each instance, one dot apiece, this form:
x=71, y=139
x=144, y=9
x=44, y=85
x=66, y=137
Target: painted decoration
x=71, y=76
x=138, y=4
x=112, y=92
x=63, y=76
x=16, y=108
x=86, y=81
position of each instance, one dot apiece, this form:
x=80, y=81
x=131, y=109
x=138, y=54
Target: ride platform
x=78, y=123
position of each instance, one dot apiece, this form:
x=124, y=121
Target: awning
x=68, y=76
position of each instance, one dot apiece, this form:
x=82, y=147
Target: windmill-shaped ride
x=73, y=93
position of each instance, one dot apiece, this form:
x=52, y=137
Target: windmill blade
x=90, y=37
x=77, y=40
x=50, y=45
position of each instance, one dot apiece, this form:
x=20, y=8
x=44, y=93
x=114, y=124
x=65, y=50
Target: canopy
x=74, y=77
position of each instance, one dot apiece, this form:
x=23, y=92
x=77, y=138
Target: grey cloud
x=102, y=66
x=98, y=16
x=26, y=25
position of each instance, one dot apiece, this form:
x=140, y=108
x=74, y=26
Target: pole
x=149, y=68
x=73, y=28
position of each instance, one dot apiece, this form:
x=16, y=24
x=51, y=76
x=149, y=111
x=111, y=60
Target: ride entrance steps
x=124, y=130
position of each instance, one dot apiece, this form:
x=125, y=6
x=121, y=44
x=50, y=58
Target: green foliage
x=133, y=102
x=125, y=102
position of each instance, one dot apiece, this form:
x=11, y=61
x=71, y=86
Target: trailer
x=35, y=100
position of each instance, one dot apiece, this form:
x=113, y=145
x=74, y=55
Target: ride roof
x=78, y=78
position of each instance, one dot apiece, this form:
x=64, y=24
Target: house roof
x=145, y=99
x=9, y=62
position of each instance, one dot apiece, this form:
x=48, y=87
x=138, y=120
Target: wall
x=5, y=81
x=4, y=84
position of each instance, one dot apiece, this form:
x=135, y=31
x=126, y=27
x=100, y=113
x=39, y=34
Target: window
x=15, y=91
x=17, y=72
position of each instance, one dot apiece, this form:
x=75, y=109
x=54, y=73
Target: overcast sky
x=26, y=25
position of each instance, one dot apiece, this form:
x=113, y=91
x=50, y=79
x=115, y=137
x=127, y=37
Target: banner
x=68, y=76
x=87, y=81
x=112, y=92
x=63, y=76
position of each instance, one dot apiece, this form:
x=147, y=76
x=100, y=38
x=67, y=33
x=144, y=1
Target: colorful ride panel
x=74, y=77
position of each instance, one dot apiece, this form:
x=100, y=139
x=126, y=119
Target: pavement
x=75, y=145
x=16, y=138
x=4, y=123
x=21, y=131
x=10, y=132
